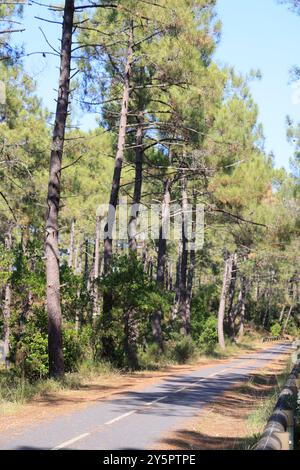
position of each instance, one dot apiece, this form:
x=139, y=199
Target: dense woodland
x=174, y=129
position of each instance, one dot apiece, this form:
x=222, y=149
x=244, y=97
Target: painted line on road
x=125, y=415
x=118, y=418
x=71, y=441
x=187, y=387
x=156, y=401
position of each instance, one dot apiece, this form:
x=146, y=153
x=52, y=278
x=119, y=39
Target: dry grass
x=49, y=399
x=237, y=418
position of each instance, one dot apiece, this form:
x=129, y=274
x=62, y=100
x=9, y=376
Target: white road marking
x=125, y=415
x=156, y=401
x=118, y=418
x=186, y=387
x=71, y=441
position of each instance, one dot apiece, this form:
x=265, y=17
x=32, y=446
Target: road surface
x=140, y=419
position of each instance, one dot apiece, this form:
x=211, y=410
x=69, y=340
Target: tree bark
x=114, y=194
x=138, y=181
x=115, y=188
x=56, y=360
x=131, y=336
x=282, y=314
x=177, y=283
x=183, y=311
x=86, y=264
x=222, y=305
x=242, y=307
x=161, y=260
x=288, y=318
x=232, y=286
x=163, y=233
x=72, y=246
x=96, y=269
x=191, y=269
x=7, y=306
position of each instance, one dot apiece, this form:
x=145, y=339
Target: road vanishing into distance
x=141, y=419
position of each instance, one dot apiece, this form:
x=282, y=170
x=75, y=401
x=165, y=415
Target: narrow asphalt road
x=139, y=420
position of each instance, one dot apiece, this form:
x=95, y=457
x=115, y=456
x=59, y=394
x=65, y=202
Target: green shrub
x=292, y=328
x=208, y=339
x=276, y=330
x=32, y=356
x=73, y=350
x=151, y=358
x=180, y=348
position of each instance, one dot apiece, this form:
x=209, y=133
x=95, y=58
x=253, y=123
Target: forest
x=177, y=137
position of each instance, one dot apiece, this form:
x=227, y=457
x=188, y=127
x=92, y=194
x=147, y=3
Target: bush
x=73, y=350
x=32, y=356
x=292, y=328
x=31, y=352
x=276, y=330
x=208, y=339
x=181, y=348
x=151, y=358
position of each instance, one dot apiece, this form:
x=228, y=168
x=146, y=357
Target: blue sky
x=256, y=34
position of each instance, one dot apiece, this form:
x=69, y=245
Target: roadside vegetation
x=175, y=130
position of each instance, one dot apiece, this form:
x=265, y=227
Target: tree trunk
x=222, y=305
x=177, y=283
x=161, y=260
x=191, y=270
x=7, y=306
x=86, y=264
x=78, y=271
x=72, y=247
x=288, y=318
x=170, y=273
x=242, y=307
x=131, y=336
x=96, y=269
x=163, y=233
x=56, y=360
x=150, y=268
x=282, y=314
x=232, y=287
x=114, y=194
x=183, y=312
x=115, y=188
x=138, y=180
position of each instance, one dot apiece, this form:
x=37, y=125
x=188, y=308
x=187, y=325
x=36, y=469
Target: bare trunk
x=71, y=247
x=232, y=287
x=191, y=270
x=183, y=312
x=150, y=268
x=78, y=271
x=131, y=336
x=96, y=269
x=138, y=180
x=114, y=194
x=222, y=305
x=288, y=318
x=56, y=360
x=242, y=307
x=282, y=314
x=177, y=283
x=161, y=260
x=163, y=233
x=170, y=274
x=7, y=306
x=86, y=264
